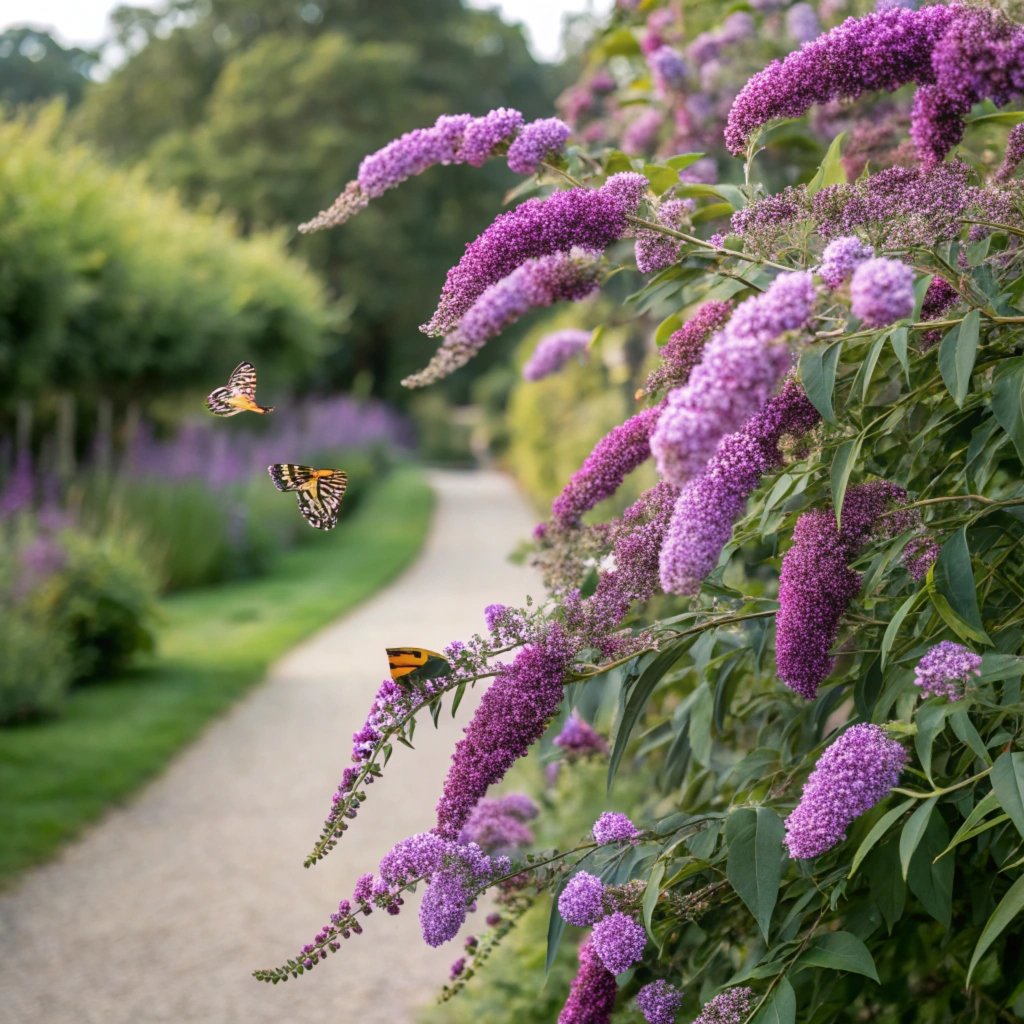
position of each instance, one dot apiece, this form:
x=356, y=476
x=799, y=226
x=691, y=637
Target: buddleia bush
x=804, y=639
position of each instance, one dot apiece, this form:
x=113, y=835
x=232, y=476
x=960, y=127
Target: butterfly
x=319, y=491
x=239, y=395
x=415, y=664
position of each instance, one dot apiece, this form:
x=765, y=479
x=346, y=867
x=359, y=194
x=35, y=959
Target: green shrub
x=104, y=601
x=35, y=667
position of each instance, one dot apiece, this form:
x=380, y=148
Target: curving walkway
x=161, y=911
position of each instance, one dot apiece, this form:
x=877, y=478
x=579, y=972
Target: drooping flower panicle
x=946, y=669
x=882, y=291
x=683, y=350
x=614, y=827
x=659, y=1002
x=730, y=1007
x=555, y=351
x=619, y=941
x=593, y=990
x=841, y=258
x=582, y=901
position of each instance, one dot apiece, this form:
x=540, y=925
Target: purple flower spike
x=613, y=827
x=684, y=348
x=593, y=991
x=619, y=941
x=579, y=738
x=851, y=776
x=536, y=143
x=482, y=136
x=1013, y=155
x=841, y=258
x=659, y=1002
x=581, y=902
x=730, y=1007
x=882, y=291
x=655, y=251
x=946, y=669
x=709, y=504
x=588, y=218
x=554, y=351
x=739, y=369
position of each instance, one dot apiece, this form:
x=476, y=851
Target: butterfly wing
x=330, y=489
x=416, y=664
x=315, y=512
x=219, y=403
x=289, y=477
x=243, y=380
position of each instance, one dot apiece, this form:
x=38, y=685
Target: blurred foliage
x=35, y=670
x=34, y=67
x=266, y=108
x=109, y=287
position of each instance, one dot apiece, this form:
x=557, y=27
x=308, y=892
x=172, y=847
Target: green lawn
x=57, y=776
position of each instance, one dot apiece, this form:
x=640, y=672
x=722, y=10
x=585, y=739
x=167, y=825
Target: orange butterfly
x=239, y=395
x=319, y=491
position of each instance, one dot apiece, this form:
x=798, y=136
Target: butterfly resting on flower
x=239, y=395
x=416, y=664
x=318, y=491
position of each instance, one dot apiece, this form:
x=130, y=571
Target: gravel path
x=161, y=912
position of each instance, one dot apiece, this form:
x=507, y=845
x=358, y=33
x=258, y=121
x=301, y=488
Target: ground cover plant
x=807, y=633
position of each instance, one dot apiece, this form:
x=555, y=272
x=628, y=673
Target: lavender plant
x=810, y=628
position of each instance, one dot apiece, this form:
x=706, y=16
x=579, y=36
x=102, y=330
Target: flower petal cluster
x=511, y=715
x=802, y=22
x=590, y=219
x=739, y=369
x=816, y=584
x=659, y=1002
x=1014, y=154
x=946, y=669
x=579, y=738
x=682, y=351
x=730, y=1007
x=538, y=141
x=619, y=941
x=882, y=291
x=656, y=251
x=581, y=902
x=614, y=827
x=553, y=351
x=482, y=135
x=841, y=258
x=500, y=823
x=593, y=990
x=856, y=771
x=710, y=503
x=535, y=284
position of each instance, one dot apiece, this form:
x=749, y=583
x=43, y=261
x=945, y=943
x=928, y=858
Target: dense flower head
x=579, y=738
x=452, y=888
x=656, y=251
x=659, y=1002
x=739, y=369
x=614, y=827
x=668, y=67
x=802, y=22
x=590, y=219
x=945, y=669
x=593, y=990
x=816, y=584
x=919, y=556
x=881, y=51
x=1014, y=154
x=856, y=771
x=710, y=503
x=619, y=941
x=581, y=902
x=483, y=135
x=511, y=715
x=500, y=823
x=841, y=258
x=614, y=457
x=537, y=142
x=417, y=856
x=730, y=1007
x=535, y=284
x=682, y=352
x=882, y=291
x=554, y=351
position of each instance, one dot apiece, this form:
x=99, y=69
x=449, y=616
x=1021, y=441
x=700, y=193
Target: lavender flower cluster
x=882, y=291
x=842, y=256
x=590, y=219
x=453, y=139
x=860, y=768
x=683, y=350
x=730, y=1007
x=535, y=284
x=554, y=351
x=656, y=251
x=593, y=990
x=946, y=669
x=659, y=1002
x=500, y=823
x=578, y=738
x=739, y=369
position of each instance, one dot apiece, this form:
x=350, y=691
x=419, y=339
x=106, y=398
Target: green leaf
x=556, y=928
x=930, y=721
x=957, y=354
x=754, y=866
x=651, y=894
x=843, y=462
x=877, y=831
x=930, y=879
x=666, y=328
x=621, y=42
x=898, y=339
x=780, y=1007
x=888, y=889
x=840, y=951
x=700, y=725
x=1008, y=786
x=869, y=365
x=895, y=623
x=952, y=589
x=713, y=211
x=1009, y=907
x=1008, y=401
x=662, y=178
x=681, y=162
x=1000, y=117
x=974, y=823
x=966, y=733
x=912, y=833
x=818, y=374
x=831, y=170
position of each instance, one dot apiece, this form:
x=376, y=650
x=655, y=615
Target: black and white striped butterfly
x=319, y=492
x=239, y=395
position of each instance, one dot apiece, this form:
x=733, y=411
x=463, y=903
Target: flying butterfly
x=416, y=664
x=318, y=491
x=239, y=395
